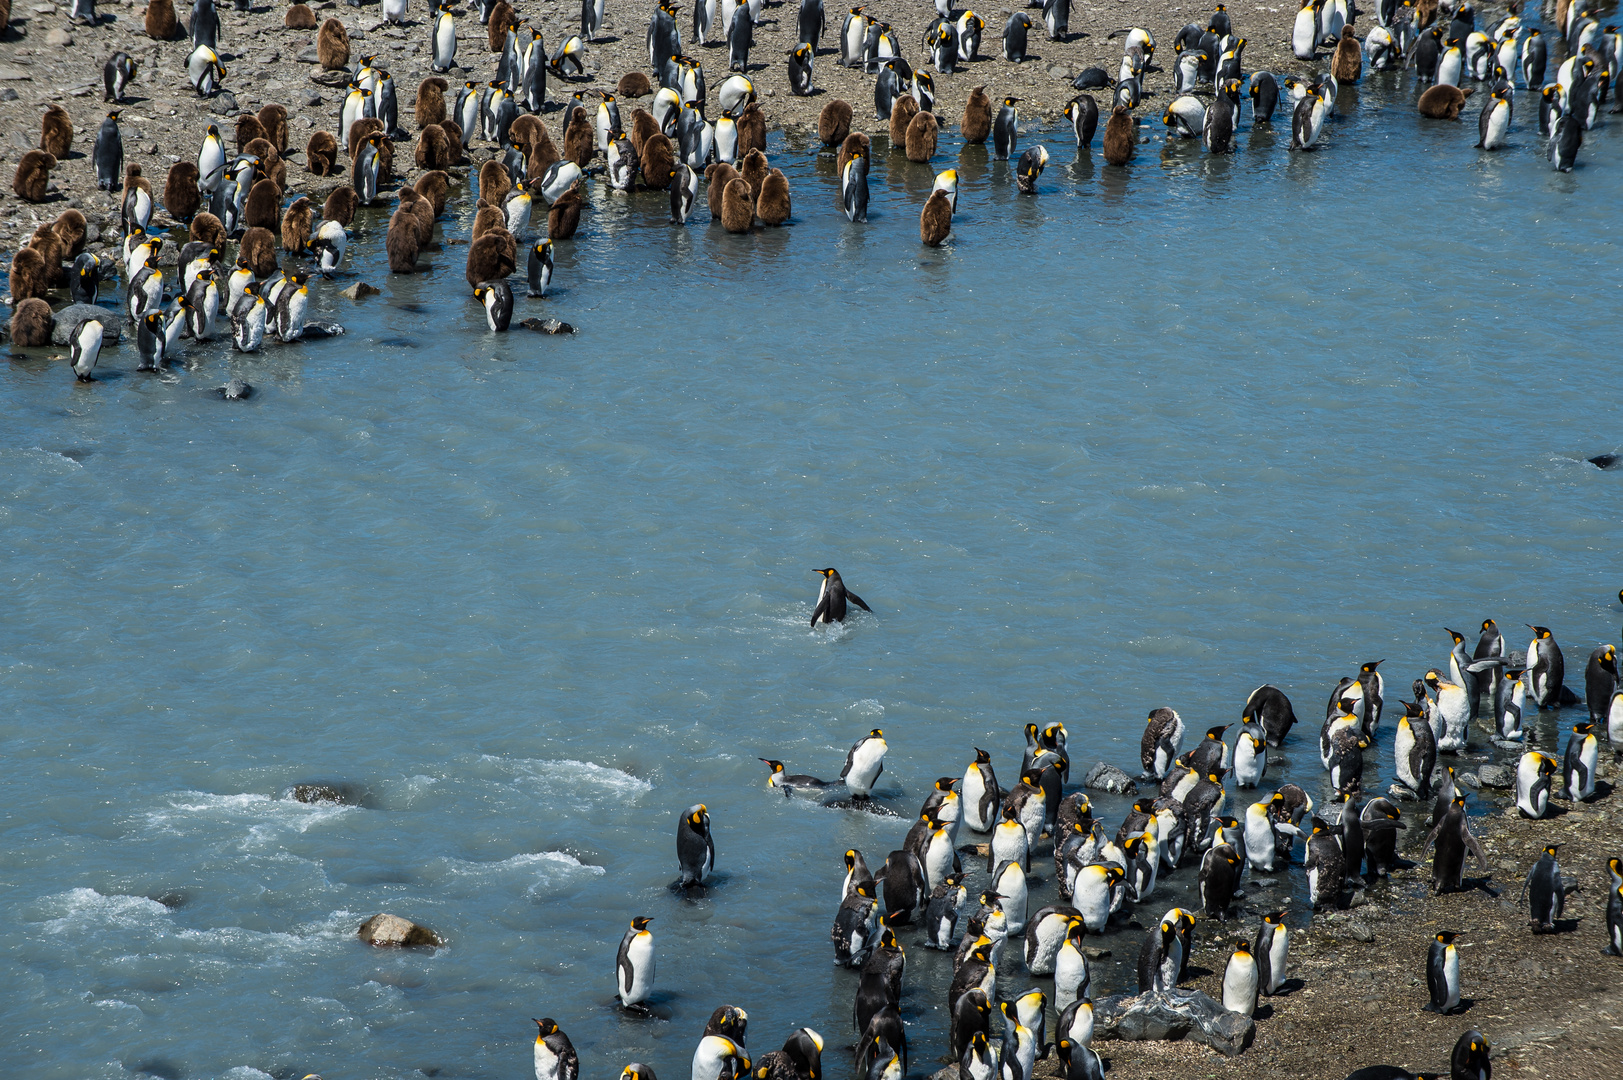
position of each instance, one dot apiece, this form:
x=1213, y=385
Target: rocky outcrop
x=393, y=930
x=1105, y=777
x=1172, y=1016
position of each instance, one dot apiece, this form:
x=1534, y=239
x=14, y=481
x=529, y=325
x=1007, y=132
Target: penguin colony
x=1102, y=876
x=688, y=135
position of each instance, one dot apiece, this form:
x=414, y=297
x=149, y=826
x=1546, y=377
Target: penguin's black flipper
x=857, y=600
x=817, y=613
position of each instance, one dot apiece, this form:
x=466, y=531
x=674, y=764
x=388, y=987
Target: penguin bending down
x=497, y=297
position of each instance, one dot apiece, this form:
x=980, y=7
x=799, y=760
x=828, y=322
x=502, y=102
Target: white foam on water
x=867, y=707
x=83, y=909
x=271, y=815
x=547, y=867
x=245, y=1072
x=570, y=771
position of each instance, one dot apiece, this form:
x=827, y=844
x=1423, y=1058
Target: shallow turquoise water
x=1153, y=437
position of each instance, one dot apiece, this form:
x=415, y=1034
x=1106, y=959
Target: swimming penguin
x=1005, y=130
x=1546, y=668
x=832, y=597
x=1578, y=763
x=1242, y=981
x=84, y=348
x=788, y=782
x=634, y=967
x=1453, y=838
x=108, y=154
x=442, y=39
x=856, y=924
x=1030, y=168
x=695, y=847
x=555, y=1057
x=1163, y=736
x=1380, y=820
x=1443, y=974
x=865, y=760
x=1546, y=891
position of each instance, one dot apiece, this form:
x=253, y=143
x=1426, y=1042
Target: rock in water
x=305, y=793
x=393, y=930
x=358, y=290
x=112, y=323
x=236, y=390
x=547, y=326
x=1496, y=776
x=1105, y=777
x=1170, y=1016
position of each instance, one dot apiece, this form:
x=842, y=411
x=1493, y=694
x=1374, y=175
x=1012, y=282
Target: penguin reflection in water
x=832, y=597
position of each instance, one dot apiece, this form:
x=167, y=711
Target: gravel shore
x=48, y=59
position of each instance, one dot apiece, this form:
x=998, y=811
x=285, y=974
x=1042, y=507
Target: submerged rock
x=1171, y=1016
x=358, y=290
x=1106, y=777
x=393, y=930
x=547, y=326
x=313, y=793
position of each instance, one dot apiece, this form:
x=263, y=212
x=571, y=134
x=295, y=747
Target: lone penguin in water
x=831, y=598
x=864, y=762
x=695, y=848
x=634, y=967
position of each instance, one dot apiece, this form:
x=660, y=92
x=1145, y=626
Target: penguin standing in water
x=634, y=967
x=540, y=267
x=1306, y=122
x=84, y=349
x=1443, y=974
x=555, y=1057
x=1163, y=736
x=695, y=847
x=497, y=297
x=684, y=191
x=1546, y=668
x=980, y=794
x=150, y=341
x=863, y=763
x=1005, y=130
x=832, y=597
x=1600, y=682
x=1030, y=169
x=1083, y=113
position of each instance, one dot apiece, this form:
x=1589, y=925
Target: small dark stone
x=320, y=793
x=547, y=326
x=170, y=899
x=224, y=104
x=236, y=390
x=312, y=97
x=312, y=55
x=8, y=94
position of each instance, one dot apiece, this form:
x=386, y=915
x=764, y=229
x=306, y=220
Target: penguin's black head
x=1275, y=918
x=777, y=766
x=548, y=1026
x=945, y=783
x=1216, y=732
x=640, y=923
x=1369, y=668
x=1242, y=948
x=1145, y=806
x=876, y=733
x=1446, y=936
x=1551, y=849
x=983, y=758
x=1583, y=729
x=1009, y=102
x=864, y=889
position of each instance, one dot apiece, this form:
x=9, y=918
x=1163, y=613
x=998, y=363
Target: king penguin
x=832, y=597
x=695, y=847
x=634, y=967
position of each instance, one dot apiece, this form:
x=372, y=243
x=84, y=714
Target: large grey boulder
x=112, y=323
x=393, y=930
x=1105, y=777
x=1171, y=1016
x=1496, y=776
